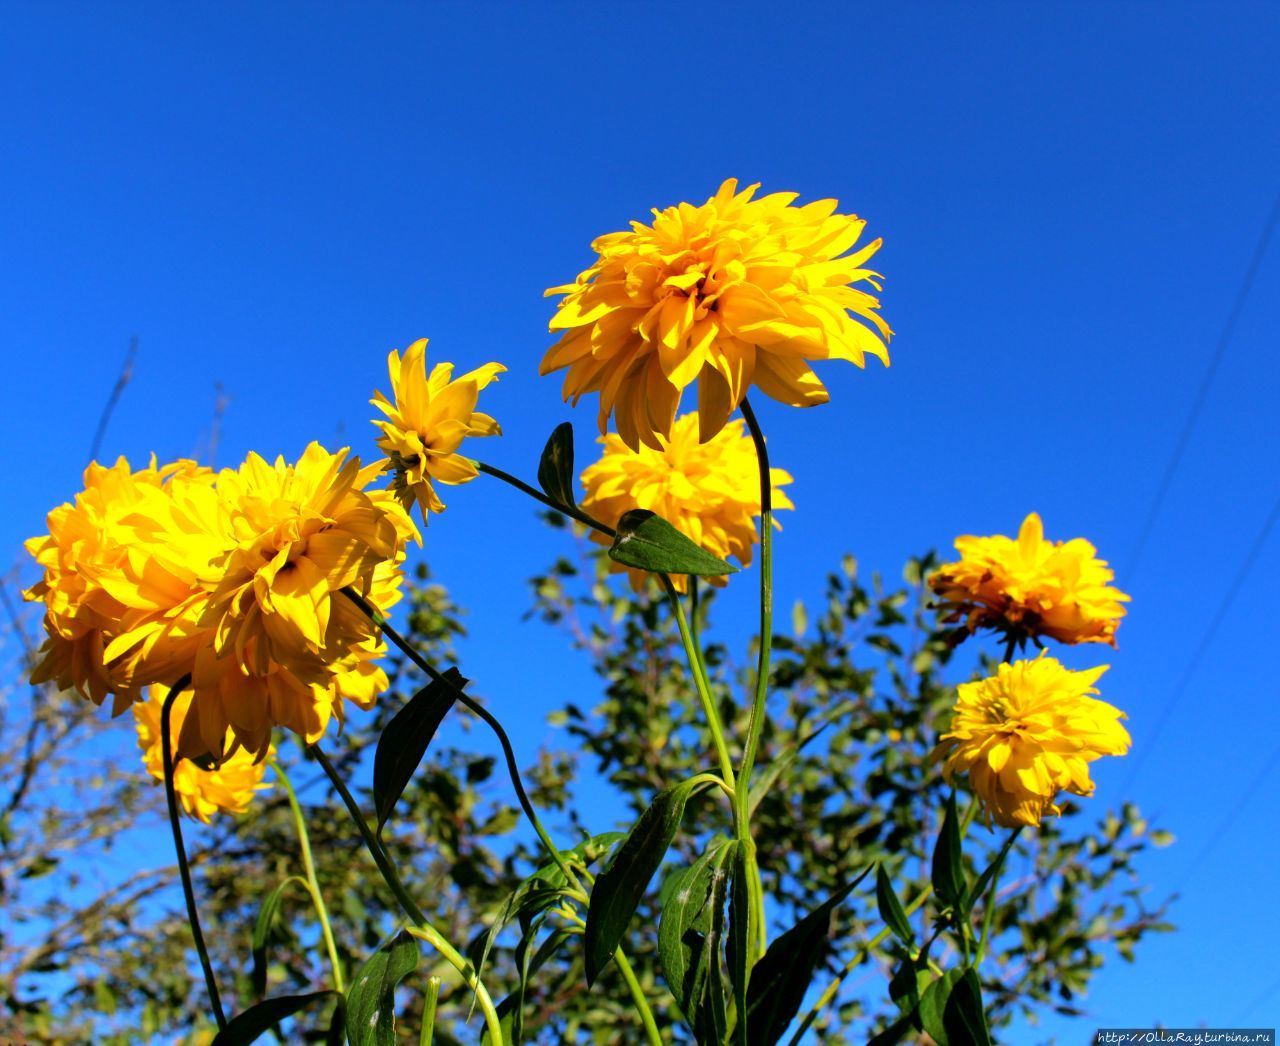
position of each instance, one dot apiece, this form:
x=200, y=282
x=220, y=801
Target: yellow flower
x=710, y=491
x=735, y=293
x=428, y=421
x=1031, y=587
x=201, y=792
x=1028, y=733
x=121, y=582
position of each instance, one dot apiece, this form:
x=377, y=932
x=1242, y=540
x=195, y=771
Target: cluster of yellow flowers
x=232, y=579
x=1030, y=731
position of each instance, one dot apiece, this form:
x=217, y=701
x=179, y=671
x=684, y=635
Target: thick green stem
x=422, y=927
x=313, y=884
x=184, y=870
x=824, y=1000
x=429, y=1011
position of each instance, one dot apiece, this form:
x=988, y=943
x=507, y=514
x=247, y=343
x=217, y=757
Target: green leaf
x=262, y=932
x=621, y=885
x=405, y=739
x=528, y=963
x=893, y=1034
x=948, y=872
x=933, y=1004
x=648, y=542
x=684, y=925
x=246, y=1027
x=782, y=975
x=963, y=1017
x=371, y=1013
x=555, y=470
x=891, y=908
x=744, y=930
x=992, y=870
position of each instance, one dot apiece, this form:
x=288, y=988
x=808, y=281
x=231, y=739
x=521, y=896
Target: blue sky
x=272, y=198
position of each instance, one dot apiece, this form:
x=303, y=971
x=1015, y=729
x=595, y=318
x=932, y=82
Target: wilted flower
x=735, y=293
x=428, y=421
x=202, y=793
x=1028, y=733
x=1031, y=587
x=709, y=491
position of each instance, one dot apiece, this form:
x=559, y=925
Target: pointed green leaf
x=893, y=1034
x=405, y=739
x=933, y=1004
x=891, y=908
x=963, y=1016
x=782, y=975
x=992, y=871
x=648, y=542
x=620, y=886
x=948, y=871
x=555, y=470
x=257, y=1020
x=744, y=930
x=685, y=924
x=262, y=932
x=371, y=1015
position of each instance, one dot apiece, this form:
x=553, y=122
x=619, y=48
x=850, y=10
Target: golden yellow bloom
x=121, y=582
x=201, y=792
x=1028, y=733
x=1031, y=587
x=428, y=421
x=735, y=293
x=710, y=491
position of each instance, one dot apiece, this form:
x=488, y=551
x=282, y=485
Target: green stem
x=184, y=870
x=313, y=884
x=633, y=985
x=702, y=685
x=429, y=1011
x=572, y=511
x=824, y=1000
x=513, y=771
x=422, y=928
x=991, y=896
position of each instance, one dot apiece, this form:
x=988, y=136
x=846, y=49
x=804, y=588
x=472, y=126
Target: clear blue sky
x=272, y=197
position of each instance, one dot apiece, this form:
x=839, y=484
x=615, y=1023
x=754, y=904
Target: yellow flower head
x=201, y=792
x=1030, y=587
x=1028, y=733
x=302, y=532
x=428, y=421
x=121, y=580
x=735, y=293
x=710, y=491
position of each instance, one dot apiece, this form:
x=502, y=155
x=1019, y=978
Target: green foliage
x=371, y=1011
x=648, y=542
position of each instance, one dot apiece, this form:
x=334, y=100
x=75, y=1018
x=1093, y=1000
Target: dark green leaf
x=909, y=981
x=622, y=883
x=992, y=870
x=891, y=908
x=404, y=741
x=246, y=1027
x=262, y=932
x=371, y=1014
x=555, y=470
x=648, y=542
x=685, y=924
x=782, y=975
x=933, y=1004
x=744, y=929
x=963, y=1017
x=948, y=872
x=893, y=1034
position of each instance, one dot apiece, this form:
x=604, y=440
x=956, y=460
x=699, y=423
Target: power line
x=1202, y=393
x=1205, y=642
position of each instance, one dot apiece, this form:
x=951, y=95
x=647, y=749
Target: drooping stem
x=422, y=927
x=568, y=510
x=309, y=868
x=184, y=870
x=513, y=771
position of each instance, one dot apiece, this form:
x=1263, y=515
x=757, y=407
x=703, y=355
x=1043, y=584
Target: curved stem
x=569, y=510
x=312, y=883
x=702, y=685
x=633, y=985
x=824, y=1000
x=184, y=870
x=422, y=928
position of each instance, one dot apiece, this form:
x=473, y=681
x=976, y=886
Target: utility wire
x=1205, y=642
x=1202, y=393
